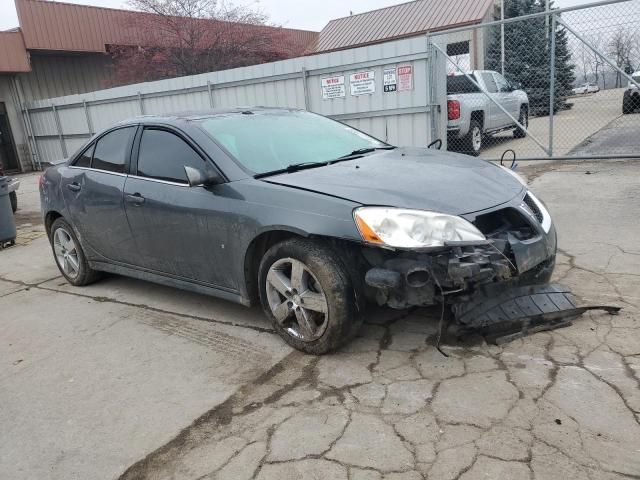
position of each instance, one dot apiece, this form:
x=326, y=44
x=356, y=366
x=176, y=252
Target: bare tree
x=187, y=37
x=621, y=48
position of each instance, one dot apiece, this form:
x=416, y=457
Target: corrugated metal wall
x=54, y=75
x=61, y=125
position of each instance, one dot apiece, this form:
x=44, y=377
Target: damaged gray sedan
x=306, y=216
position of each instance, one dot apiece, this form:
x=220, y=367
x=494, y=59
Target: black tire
x=473, y=141
x=344, y=317
x=13, y=197
x=629, y=103
x=523, y=120
x=86, y=275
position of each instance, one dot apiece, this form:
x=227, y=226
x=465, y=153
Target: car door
x=179, y=230
x=495, y=117
x=93, y=193
x=508, y=99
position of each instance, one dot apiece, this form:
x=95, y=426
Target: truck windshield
x=460, y=84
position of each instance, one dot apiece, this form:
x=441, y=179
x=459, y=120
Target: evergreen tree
x=527, y=56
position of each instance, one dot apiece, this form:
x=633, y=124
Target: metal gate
x=547, y=84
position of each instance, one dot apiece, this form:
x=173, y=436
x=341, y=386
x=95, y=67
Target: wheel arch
x=478, y=115
x=263, y=241
x=50, y=217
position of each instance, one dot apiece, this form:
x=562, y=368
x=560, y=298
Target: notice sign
x=333, y=87
x=363, y=83
x=390, y=80
x=405, y=78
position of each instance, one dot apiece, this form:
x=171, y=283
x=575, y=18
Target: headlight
x=395, y=227
x=514, y=175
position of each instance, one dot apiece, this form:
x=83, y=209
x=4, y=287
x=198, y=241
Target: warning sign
x=363, y=83
x=390, y=80
x=333, y=87
x=405, y=78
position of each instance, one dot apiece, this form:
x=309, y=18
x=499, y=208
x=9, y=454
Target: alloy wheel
x=297, y=300
x=66, y=253
x=476, y=138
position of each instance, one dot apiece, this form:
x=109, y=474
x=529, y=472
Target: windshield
x=636, y=78
x=264, y=141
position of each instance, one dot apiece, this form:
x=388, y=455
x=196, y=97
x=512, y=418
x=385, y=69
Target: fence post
x=63, y=144
x=210, y=91
x=141, y=103
x=34, y=140
x=86, y=114
x=552, y=83
x=305, y=87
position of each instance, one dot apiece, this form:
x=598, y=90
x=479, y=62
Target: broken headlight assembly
x=401, y=228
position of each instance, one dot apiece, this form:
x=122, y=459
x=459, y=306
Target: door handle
x=136, y=199
x=74, y=187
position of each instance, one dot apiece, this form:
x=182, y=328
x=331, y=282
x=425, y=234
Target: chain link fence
x=557, y=83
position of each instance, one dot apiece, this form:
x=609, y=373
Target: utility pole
x=502, y=34
x=547, y=9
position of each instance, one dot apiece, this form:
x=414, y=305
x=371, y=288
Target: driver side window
x=163, y=156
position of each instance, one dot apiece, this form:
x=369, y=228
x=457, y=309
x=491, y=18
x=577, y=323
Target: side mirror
x=199, y=178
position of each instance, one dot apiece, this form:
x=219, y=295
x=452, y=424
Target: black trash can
x=7, y=222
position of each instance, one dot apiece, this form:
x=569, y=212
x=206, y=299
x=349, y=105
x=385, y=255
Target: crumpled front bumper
x=521, y=250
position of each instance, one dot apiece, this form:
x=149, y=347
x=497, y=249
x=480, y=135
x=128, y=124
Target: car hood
x=411, y=178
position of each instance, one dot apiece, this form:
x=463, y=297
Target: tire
x=472, y=142
x=76, y=270
x=523, y=119
x=324, y=276
x=13, y=197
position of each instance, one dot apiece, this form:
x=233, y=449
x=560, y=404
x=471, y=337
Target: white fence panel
x=385, y=92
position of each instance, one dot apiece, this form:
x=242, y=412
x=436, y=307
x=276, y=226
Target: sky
x=304, y=14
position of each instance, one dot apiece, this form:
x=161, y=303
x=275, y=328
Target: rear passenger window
x=111, y=150
x=490, y=82
x=84, y=160
x=164, y=155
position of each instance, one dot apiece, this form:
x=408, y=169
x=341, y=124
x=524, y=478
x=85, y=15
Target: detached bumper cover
x=505, y=315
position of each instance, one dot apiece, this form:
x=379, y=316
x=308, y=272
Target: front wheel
x=308, y=294
x=524, y=121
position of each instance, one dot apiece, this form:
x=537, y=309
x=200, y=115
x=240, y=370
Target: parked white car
x=586, y=88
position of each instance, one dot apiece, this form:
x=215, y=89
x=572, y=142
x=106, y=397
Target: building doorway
x=8, y=154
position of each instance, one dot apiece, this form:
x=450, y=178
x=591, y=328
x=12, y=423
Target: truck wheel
x=472, y=142
x=13, y=197
x=308, y=294
x=627, y=103
x=524, y=121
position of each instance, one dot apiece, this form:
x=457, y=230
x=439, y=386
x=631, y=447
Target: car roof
x=178, y=117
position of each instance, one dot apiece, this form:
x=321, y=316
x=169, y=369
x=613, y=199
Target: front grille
x=498, y=223
x=534, y=208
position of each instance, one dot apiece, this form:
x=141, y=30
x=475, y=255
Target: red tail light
x=453, y=109
x=41, y=181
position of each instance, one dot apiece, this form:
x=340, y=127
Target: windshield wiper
x=363, y=151
x=293, y=168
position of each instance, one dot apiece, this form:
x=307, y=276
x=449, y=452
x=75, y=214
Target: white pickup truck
x=472, y=116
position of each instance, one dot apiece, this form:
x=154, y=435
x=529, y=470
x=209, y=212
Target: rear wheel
x=629, y=103
x=472, y=142
x=524, y=121
x=307, y=293
x=69, y=255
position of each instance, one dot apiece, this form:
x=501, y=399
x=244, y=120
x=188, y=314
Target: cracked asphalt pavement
x=130, y=380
